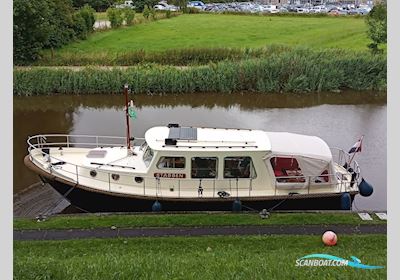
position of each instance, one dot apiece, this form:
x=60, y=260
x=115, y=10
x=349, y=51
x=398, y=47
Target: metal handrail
x=344, y=158
x=42, y=139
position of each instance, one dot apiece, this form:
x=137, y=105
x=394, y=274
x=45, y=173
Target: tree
x=61, y=21
x=377, y=26
x=31, y=29
x=51, y=24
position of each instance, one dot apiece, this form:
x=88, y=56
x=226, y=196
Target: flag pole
x=354, y=154
x=128, y=133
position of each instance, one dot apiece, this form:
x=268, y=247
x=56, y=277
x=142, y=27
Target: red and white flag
x=357, y=146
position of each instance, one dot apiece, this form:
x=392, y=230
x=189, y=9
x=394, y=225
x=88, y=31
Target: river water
x=338, y=118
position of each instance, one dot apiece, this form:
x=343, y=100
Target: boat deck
x=116, y=173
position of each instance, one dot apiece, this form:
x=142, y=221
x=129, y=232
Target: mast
x=128, y=133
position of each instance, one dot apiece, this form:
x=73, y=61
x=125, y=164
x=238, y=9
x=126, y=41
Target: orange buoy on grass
x=329, y=238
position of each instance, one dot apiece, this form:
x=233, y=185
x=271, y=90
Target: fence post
x=309, y=182
x=77, y=175
x=144, y=186
x=179, y=188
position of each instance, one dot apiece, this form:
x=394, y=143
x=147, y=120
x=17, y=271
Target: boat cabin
x=220, y=159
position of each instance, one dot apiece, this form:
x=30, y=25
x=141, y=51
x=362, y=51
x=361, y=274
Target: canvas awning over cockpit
x=312, y=153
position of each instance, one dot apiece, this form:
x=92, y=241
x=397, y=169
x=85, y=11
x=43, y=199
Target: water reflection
x=329, y=116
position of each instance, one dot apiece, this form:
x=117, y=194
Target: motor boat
x=192, y=168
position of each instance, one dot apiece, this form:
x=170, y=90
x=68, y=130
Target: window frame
x=251, y=166
x=171, y=168
x=205, y=157
x=145, y=156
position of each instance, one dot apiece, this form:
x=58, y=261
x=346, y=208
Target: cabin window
x=204, y=167
x=287, y=170
x=171, y=162
x=239, y=167
x=148, y=156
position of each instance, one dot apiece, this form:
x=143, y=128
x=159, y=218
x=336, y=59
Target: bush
x=129, y=16
x=115, y=17
x=146, y=12
x=153, y=14
x=88, y=14
x=79, y=27
x=168, y=14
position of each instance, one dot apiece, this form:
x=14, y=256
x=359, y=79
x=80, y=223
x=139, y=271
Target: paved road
x=195, y=231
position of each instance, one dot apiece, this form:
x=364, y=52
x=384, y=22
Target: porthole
x=93, y=173
x=115, y=177
x=138, y=180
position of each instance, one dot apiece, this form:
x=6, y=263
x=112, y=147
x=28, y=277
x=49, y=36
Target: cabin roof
x=206, y=139
x=163, y=138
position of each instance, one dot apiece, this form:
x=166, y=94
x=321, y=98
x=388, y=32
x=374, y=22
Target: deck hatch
x=183, y=133
x=96, y=154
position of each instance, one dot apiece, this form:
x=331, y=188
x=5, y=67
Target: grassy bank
x=215, y=30
x=172, y=220
x=302, y=70
x=254, y=257
x=201, y=38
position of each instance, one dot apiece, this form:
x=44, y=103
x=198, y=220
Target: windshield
x=143, y=146
x=148, y=155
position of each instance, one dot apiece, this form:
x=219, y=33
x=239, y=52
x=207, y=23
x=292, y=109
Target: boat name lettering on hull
x=170, y=175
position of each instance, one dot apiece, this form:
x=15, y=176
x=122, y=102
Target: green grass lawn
x=171, y=220
x=222, y=257
x=207, y=31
